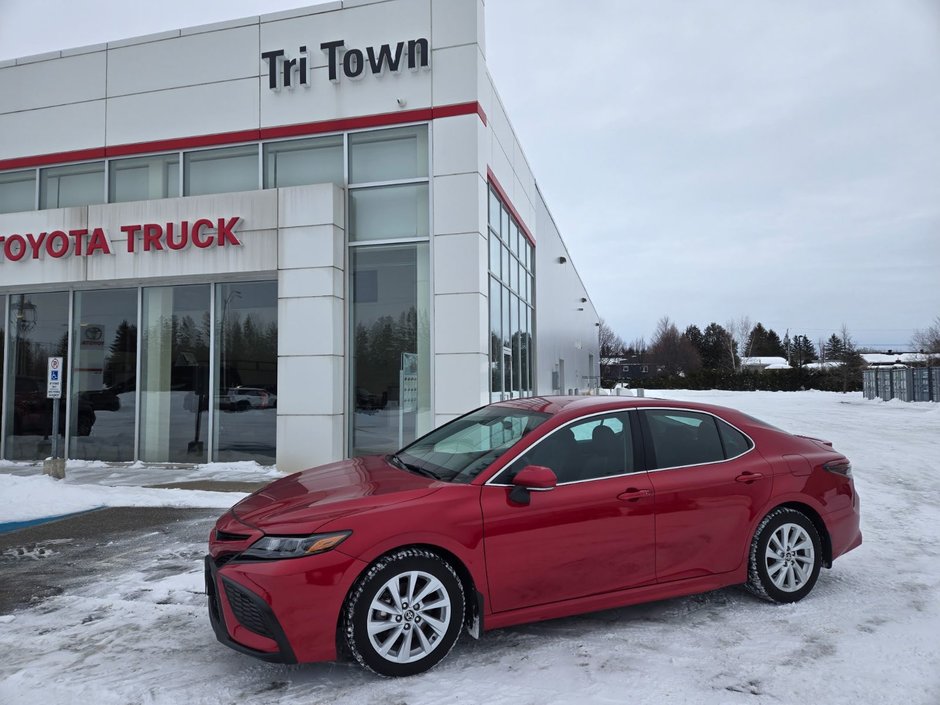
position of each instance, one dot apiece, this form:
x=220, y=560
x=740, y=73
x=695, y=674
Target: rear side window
x=682, y=438
x=735, y=442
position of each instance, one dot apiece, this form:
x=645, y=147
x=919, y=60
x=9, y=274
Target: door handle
x=633, y=494
x=748, y=477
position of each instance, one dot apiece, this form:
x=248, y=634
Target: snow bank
x=36, y=496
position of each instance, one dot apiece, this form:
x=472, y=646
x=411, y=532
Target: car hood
x=302, y=502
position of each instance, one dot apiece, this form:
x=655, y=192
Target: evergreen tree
x=774, y=346
x=802, y=351
x=715, y=346
x=833, y=348
x=695, y=337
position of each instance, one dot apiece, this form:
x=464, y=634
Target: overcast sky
x=703, y=160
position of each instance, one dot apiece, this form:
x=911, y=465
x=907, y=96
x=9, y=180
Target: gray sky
x=703, y=160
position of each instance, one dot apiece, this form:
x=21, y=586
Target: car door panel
x=575, y=540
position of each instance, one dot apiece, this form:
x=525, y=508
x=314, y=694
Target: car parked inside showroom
x=523, y=511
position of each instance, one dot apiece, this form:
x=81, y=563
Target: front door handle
x=748, y=477
x=634, y=494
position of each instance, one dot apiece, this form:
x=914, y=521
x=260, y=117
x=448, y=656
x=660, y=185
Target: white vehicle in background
x=244, y=398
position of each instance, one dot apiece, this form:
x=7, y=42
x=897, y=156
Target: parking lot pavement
x=45, y=560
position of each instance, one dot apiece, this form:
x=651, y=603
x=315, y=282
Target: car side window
x=682, y=438
x=601, y=446
x=735, y=442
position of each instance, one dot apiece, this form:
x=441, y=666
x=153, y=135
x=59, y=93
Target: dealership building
x=294, y=238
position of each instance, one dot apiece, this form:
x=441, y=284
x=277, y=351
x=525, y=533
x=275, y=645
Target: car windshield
x=462, y=449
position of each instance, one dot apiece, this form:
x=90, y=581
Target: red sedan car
x=523, y=511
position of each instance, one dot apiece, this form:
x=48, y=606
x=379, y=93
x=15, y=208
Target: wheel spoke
x=804, y=544
x=386, y=646
x=772, y=554
x=393, y=591
x=440, y=602
x=384, y=607
x=774, y=570
x=377, y=627
x=774, y=541
x=437, y=625
x=404, y=653
x=431, y=586
x=410, y=595
x=426, y=645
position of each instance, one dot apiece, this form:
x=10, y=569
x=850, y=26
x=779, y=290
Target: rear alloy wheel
x=785, y=558
x=405, y=614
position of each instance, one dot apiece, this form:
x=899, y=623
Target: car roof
x=574, y=406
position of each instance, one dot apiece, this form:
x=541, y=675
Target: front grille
x=226, y=536
x=245, y=609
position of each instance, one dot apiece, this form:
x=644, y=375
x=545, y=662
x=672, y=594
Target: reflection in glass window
x=73, y=185
x=387, y=212
x=221, y=170
x=143, y=178
x=298, y=162
x=246, y=371
x=18, y=191
x=594, y=448
x=104, y=375
x=391, y=347
x=38, y=331
x=735, y=442
x=683, y=438
x=388, y=155
x=174, y=382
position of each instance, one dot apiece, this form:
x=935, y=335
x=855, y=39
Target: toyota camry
x=522, y=511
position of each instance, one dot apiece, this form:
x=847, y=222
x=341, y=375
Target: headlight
x=295, y=546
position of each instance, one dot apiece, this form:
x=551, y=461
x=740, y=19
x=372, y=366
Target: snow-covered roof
x=893, y=358
x=763, y=361
x=778, y=366
x=828, y=364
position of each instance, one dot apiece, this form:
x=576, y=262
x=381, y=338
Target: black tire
x=788, y=571
x=424, y=567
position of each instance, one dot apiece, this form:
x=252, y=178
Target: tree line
x=716, y=357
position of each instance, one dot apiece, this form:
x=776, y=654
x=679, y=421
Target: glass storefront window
x=144, y=178
x=221, y=170
x=3, y=340
x=511, y=292
x=388, y=155
x=104, y=375
x=73, y=185
x=390, y=364
x=387, y=212
x=246, y=372
x=18, y=191
x=38, y=330
x=298, y=162
x=174, y=381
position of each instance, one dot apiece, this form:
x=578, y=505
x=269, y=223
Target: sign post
x=55, y=465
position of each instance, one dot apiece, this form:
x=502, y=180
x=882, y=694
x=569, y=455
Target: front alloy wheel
x=786, y=556
x=405, y=614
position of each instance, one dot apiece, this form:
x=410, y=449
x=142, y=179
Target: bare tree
x=673, y=350
x=610, y=344
x=928, y=339
x=739, y=339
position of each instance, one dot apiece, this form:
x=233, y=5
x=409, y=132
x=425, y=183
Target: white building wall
x=203, y=83
x=566, y=320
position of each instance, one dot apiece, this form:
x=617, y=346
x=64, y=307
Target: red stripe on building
x=498, y=187
x=243, y=136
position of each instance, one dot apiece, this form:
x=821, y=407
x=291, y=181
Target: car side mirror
x=532, y=478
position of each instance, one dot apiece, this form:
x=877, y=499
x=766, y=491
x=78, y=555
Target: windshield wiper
x=411, y=467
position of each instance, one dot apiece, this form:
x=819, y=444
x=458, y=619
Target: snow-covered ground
x=28, y=494
x=869, y=633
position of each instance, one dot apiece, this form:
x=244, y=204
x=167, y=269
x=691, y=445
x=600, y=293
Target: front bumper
x=282, y=611
x=247, y=609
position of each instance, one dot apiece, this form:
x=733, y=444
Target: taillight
x=839, y=467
